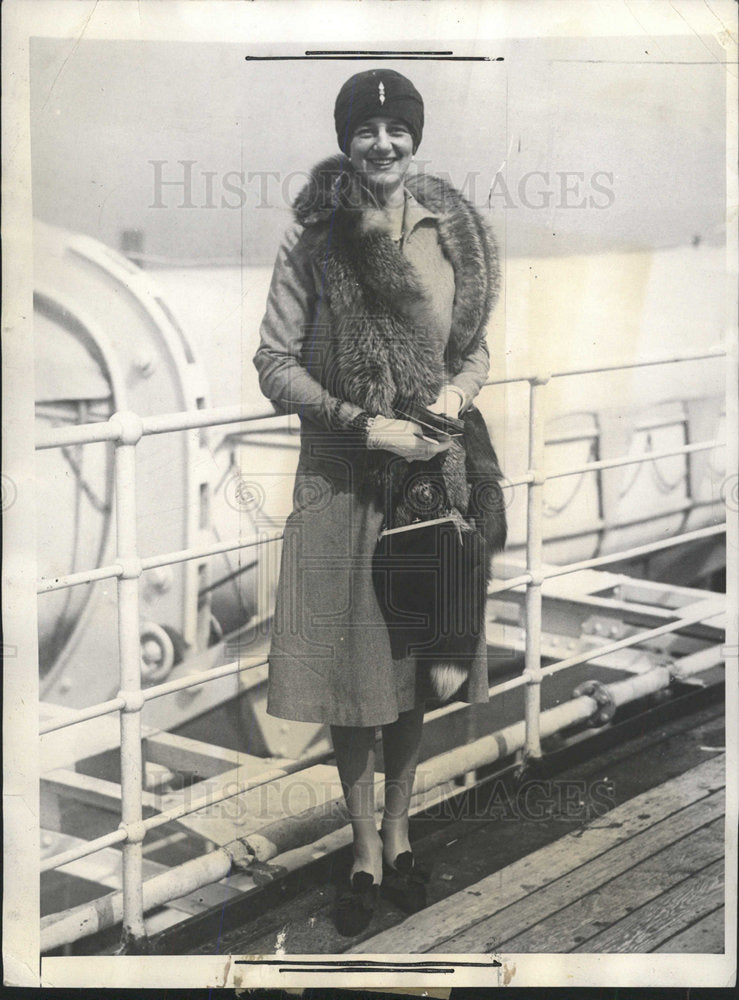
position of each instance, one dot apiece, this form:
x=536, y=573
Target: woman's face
x=381, y=150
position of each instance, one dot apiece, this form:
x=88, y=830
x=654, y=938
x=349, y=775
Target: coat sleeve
x=474, y=372
x=290, y=320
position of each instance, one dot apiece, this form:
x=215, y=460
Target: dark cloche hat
x=377, y=92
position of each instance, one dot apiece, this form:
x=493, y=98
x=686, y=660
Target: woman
x=379, y=300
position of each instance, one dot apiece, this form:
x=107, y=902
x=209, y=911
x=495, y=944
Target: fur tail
x=447, y=679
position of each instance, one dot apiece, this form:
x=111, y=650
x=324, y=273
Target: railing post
x=129, y=653
x=534, y=549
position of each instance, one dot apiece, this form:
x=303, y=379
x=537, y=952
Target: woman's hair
x=377, y=92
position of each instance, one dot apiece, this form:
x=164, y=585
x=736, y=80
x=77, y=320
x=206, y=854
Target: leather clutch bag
x=435, y=425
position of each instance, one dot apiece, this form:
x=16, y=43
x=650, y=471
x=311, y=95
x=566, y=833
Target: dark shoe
x=355, y=907
x=404, y=883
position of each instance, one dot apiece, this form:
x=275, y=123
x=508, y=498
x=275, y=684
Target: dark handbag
x=431, y=565
x=430, y=583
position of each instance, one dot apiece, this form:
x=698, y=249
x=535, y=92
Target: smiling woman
x=378, y=306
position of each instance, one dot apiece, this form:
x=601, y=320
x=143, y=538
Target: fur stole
x=368, y=283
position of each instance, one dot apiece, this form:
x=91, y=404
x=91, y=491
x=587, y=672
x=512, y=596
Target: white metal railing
x=126, y=429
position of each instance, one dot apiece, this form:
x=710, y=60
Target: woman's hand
x=449, y=402
x=404, y=438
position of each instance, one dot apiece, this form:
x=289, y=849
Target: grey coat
x=331, y=659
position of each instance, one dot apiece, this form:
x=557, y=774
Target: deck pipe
x=300, y=832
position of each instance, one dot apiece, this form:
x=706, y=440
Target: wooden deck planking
x=435, y=926
x=517, y=921
x=646, y=928
x=567, y=928
x=704, y=937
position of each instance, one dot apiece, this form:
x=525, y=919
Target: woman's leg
x=354, y=747
x=401, y=741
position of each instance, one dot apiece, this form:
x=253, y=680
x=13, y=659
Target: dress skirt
x=331, y=659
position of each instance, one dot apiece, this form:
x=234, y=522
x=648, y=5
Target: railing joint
x=531, y=677
x=135, y=832
x=130, y=567
x=133, y=701
x=540, y=379
x=129, y=427
x=536, y=477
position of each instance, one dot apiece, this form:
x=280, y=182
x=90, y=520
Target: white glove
x=404, y=438
x=450, y=401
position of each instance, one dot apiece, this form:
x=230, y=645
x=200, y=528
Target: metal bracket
x=263, y=873
x=602, y=696
x=244, y=859
x=677, y=677
x=527, y=767
x=132, y=945
x=241, y=853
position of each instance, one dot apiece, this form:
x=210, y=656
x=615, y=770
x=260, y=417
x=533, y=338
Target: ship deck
x=646, y=876
x=613, y=846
